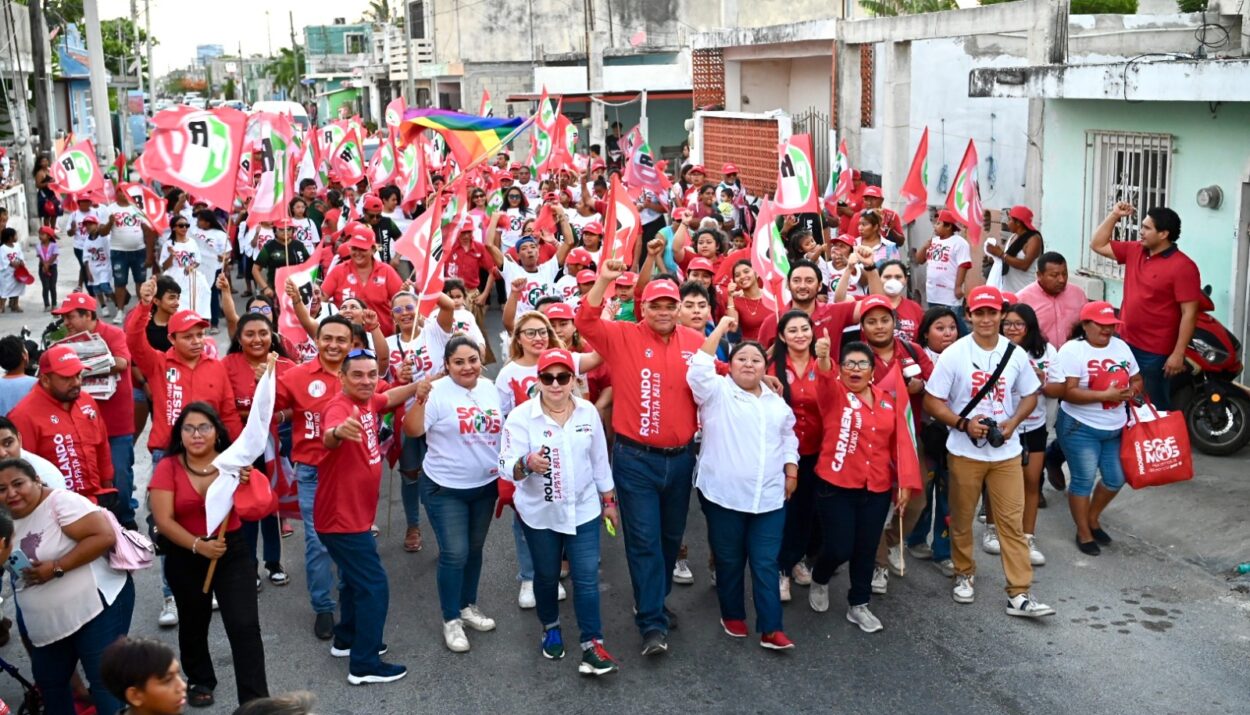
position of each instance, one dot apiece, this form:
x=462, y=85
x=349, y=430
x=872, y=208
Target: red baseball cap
x=283, y=223
x=873, y=302
x=555, y=356
x=82, y=197
x=873, y=192
x=628, y=278
x=48, y=230
x=728, y=169
x=90, y=219
x=593, y=227
x=846, y=238
x=76, y=301
x=985, y=297
x=579, y=256
x=1024, y=215
x=61, y=360
x=700, y=264
x=506, y=177
x=558, y=311
x=373, y=203
x=184, y=320
x=598, y=164
x=514, y=165
x=697, y=169
x=551, y=196
x=1101, y=312
x=586, y=276
x=660, y=290
x=948, y=216
x=357, y=240
x=1009, y=297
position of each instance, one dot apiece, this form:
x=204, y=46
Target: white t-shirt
x=530, y=189
x=960, y=372
x=945, y=257
x=306, y=233
x=647, y=215
x=516, y=384
x=542, y=282
x=462, y=323
x=1097, y=369
x=566, y=289
x=186, y=253
x=254, y=237
x=213, y=244
x=1046, y=363
x=462, y=431
x=510, y=231
x=95, y=253
x=127, y=231
x=47, y=471
x=577, y=221
x=414, y=351
x=80, y=229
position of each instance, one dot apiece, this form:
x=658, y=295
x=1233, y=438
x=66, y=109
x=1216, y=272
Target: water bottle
x=1243, y=568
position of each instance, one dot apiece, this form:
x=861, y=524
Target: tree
x=287, y=69
x=892, y=8
x=229, y=91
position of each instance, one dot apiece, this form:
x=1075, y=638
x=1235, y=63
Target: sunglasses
x=182, y=225
x=361, y=352
x=406, y=308
x=856, y=365
x=548, y=379
x=372, y=216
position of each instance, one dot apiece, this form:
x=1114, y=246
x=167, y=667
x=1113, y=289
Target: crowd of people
x=865, y=418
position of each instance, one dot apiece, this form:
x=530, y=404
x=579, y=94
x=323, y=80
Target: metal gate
x=815, y=123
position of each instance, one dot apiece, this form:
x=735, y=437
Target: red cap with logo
x=985, y=297
x=90, y=219
x=555, y=356
x=558, y=311
x=700, y=264
x=873, y=302
x=579, y=256
x=660, y=290
x=359, y=236
x=283, y=223
x=586, y=276
x=184, y=320
x=48, y=231
x=846, y=238
x=697, y=169
x=593, y=227
x=626, y=279
x=728, y=169
x=1009, y=297
x=948, y=216
x=1101, y=312
x=1024, y=215
x=76, y=301
x=60, y=360
x=373, y=203
x=873, y=192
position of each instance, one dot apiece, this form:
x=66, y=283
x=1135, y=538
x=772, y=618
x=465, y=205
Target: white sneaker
x=880, y=580
x=454, y=637
x=785, y=588
x=946, y=566
x=561, y=594
x=682, y=573
x=475, y=619
x=964, y=591
x=1024, y=606
x=525, y=599
x=862, y=617
x=117, y=317
x=802, y=574
x=215, y=602
x=895, y=557
x=818, y=597
x=921, y=551
x=1036, y=557
x=169, y=614
x=989, y=540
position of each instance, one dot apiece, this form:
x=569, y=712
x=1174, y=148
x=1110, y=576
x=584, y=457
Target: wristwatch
x=57, y=571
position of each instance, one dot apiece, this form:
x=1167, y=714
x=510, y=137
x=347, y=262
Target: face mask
x=893, y=286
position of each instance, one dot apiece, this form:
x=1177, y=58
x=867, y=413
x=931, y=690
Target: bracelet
x=789, y=477
x=962, y=424
x=193, y=544
x=335, y=433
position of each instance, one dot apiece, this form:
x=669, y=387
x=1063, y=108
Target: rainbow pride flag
x=468, y=136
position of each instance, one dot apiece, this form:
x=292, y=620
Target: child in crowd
x=146, y=676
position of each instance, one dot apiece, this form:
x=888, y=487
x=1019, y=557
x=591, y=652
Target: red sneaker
x=737, y=629
x=777, y=640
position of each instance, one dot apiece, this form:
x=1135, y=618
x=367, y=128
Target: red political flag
x=965, y=195
x=422, y=245
x=76, y=170
x=153, y=205
x=275, y=185
x=796, y=177
x=915, y=191
x=621, y=223
x=304, y=275
x=768, y=258
x=197, y=151
x=641, y=170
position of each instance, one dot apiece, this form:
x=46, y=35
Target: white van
x=295, y=109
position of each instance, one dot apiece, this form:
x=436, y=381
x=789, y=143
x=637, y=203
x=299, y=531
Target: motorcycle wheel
x=1219, y=428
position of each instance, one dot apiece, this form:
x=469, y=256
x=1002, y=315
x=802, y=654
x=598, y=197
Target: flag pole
x=212, y=564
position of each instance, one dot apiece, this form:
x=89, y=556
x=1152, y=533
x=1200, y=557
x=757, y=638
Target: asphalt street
x=1138, y=630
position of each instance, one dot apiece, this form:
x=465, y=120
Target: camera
x=993, y=435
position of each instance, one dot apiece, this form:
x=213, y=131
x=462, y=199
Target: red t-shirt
x=907, y=318
x=653, y=402
x=833, y=317
x=243, y=378
x=861, y=441
x=349, y=478
x=805, y=403
x=752, y=312
x=467, y=263
x=171, y=476
x=1154, y=288
x=376, y=291
x=882, y=371
x=75, y=440
x=119, y=410
x=306, y=390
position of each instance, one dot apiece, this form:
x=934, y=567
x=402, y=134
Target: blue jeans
x=364, y=596
x=547, y=548
x=316, y=558
x=851, y=520
x=654, y=493
x=460, y=518
x=933, y=517
x=123, y=449
x=127, y=264
x=410, y=458
x=1158, y=386
x=1089, y=450
x=737, y=538
x=267, y=528
x=53, y=665
x=525, y=562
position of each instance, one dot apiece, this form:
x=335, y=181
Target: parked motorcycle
x=1216, y=406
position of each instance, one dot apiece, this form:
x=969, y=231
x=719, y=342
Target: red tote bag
x=1156, y=452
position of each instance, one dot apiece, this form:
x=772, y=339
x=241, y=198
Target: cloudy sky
x=179, y=29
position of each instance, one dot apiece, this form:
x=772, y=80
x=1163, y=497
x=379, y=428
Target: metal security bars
x=1122, y=166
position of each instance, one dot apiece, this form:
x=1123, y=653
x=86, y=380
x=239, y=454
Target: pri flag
x=275, y=187
x=486, y=109
x=841, y=180
x=915, y=191
x=965, y=194
x=76, y=170
x=305, y=276
x=622, y=224
x=411, y=175
x=422, y=246
x=151, y=203
x=768, y=258
x=394, y=117
x=641, y=171
x=348, y=160
x=196, y=150
x=796, y=177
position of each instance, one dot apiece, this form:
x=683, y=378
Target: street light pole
x=99, y=84
x=410, y=83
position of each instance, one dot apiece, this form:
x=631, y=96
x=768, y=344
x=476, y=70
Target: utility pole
x=99, y=83
x=269, y=33
x=596, y=40
x=242, y=75
x=147, y=29
x=299, y=81
x=123, y=99
x=39, y=74
x=410, y=83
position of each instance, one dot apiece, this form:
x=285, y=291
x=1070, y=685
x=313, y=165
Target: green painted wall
x=1208, y=148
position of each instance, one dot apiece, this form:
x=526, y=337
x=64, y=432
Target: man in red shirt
x=804, y=283
x=343, y=510
x=364, y=277
x=1162, y=290
x=180, y=375
x=80, y=313
x=655, y=420
x=62, y=424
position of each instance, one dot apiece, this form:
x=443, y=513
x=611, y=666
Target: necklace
x=206, y=471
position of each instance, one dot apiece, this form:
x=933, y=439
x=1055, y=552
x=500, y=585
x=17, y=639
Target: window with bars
x=1122, y=166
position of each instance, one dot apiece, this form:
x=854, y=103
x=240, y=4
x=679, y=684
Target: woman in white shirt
x=70, y=602
x=1099, y=375
x=214, y=253
x=555, y=451
x=461, y=421
x=305, y=229
x=748, y=467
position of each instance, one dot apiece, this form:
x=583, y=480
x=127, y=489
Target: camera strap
x=985, y=389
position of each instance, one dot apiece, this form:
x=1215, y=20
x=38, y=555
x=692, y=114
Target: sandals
x=198, y=696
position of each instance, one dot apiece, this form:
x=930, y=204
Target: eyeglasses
x=532, y=333
x=1014, y=325
x=405, y=308
x=202, y=430
x=856, y=365
x=361, y=352
x=262, y=309
x=562, y=378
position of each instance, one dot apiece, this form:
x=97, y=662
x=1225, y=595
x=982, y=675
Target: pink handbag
x=132, y=551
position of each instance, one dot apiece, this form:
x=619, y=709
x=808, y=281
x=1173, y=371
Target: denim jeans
x=364, y=596
x=851, y=519
x=53, y=665
x=737, y=538
x=410, y=457
x=547, y=548
x=123, y=449
x=266, y=528
x=460, y=518
x=1089, y=450
x=800, y=516
x=935, y=515
x=157, y=456
x=316, y=559
x=654, y=494
x=127, y=264
x=525, y=562
x=1158, y=386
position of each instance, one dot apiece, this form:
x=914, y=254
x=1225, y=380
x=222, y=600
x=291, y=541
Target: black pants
x=234, y=584
x=852, y=520
x=47, y=281
x=801, y=516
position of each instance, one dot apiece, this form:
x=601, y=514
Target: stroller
x=32, y=701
